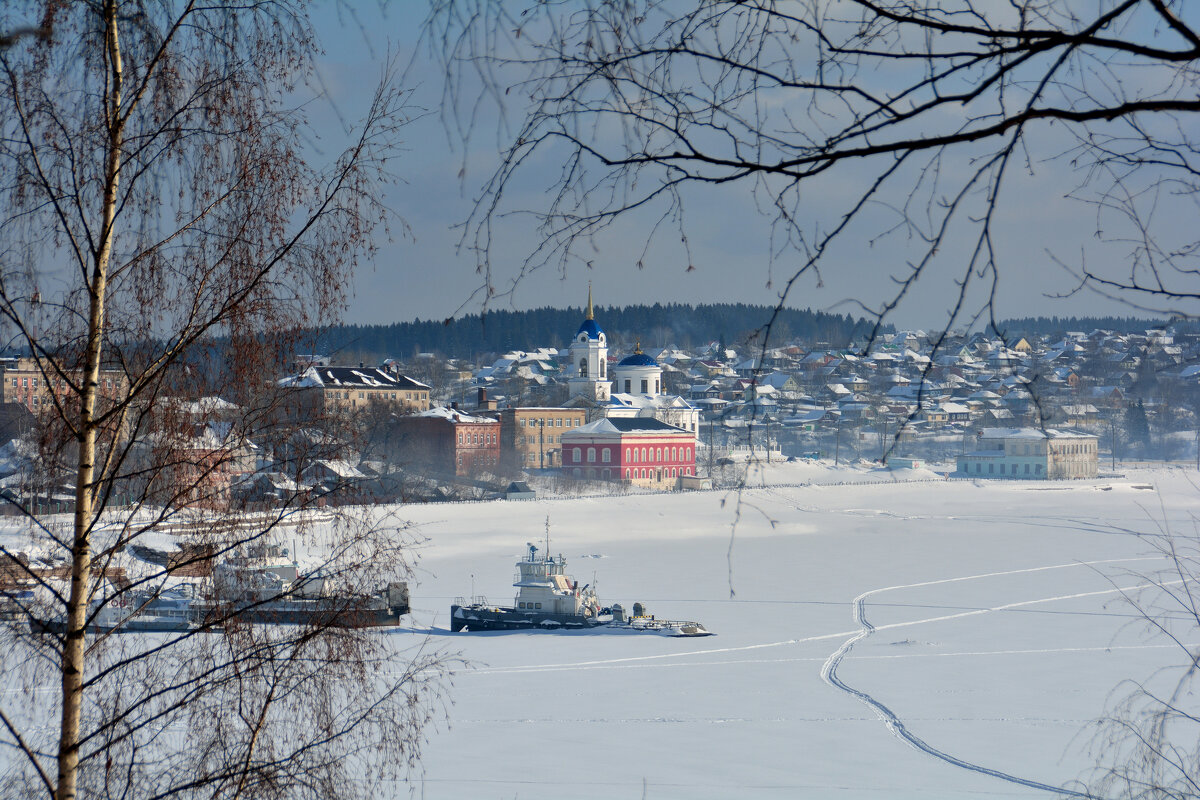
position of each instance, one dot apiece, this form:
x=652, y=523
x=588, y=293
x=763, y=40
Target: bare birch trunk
x=74, y=646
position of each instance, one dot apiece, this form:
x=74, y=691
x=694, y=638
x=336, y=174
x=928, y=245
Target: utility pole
x=1112, y=423
x=837, y=446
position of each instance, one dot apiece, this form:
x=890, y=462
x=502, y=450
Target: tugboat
x=549, y=599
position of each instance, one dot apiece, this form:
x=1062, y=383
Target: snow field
x=992, y=642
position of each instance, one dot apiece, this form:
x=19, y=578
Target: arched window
x=578, y=455
x=603, y=367
x=591, y=455
x=628, y=457
x=628, y=473
x=643, y=454
x=606, y=455
x=583, y=367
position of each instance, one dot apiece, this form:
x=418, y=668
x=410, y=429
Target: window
x=460, y=437
x=991, y=468
x=578, y=457
x=626, y=386
x=645, y=386
x=643, y=454
x=1026, y=469
x=558, y=422
x=537, y=605
x=523, y=421
x=583, y=367
x=628, y=457
x=591, y=455
x=628, y=473
x=605, y=455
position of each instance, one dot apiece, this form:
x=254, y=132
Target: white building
x=1032, y=454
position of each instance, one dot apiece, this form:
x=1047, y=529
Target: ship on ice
x=549, y=599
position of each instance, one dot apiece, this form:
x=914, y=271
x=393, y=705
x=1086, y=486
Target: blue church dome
x=590, y=327
x=637, y=360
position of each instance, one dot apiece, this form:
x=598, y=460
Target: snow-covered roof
x=353, y=377
x=1033, y=433
x=623, y=426
x=455, y=416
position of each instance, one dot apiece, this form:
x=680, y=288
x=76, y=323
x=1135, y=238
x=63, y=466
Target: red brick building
x=447, y=441
x=640, y=450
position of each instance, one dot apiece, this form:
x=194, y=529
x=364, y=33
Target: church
x=638, y=434
x=634, y=390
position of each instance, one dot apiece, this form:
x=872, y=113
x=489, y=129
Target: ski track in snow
x=893, y=722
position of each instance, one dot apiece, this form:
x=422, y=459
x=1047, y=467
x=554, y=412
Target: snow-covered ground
x=889, y=639
x=879, y=635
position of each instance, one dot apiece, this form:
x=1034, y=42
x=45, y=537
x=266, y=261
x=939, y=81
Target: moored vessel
x=549, y=599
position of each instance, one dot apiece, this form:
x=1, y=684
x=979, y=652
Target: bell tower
x=589, y=359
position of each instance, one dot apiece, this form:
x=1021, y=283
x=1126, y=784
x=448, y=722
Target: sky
x=422, y=272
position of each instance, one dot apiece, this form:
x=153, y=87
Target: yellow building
x=25, y=384
x=531, y=438
x=356, y=388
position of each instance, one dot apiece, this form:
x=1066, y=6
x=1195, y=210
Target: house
x=531, y=437
x=1032, y=454
x=519, y=490
x=357, y=388
x=447, y=441
x=638, y=450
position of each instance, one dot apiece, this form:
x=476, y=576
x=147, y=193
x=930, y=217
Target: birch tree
x=168, y=221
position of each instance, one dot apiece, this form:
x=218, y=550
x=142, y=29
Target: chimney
x=482, y=402
x=454, y=405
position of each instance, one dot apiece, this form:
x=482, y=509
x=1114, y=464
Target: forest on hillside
x=479, y=338
x=1012, y=329
x=497, y=332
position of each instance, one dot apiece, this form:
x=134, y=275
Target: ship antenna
x=547, y=534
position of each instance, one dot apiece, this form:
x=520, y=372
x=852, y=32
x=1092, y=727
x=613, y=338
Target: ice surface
x=977, y=620
x=997, y=638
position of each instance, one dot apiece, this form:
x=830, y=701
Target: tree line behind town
x=659, y=325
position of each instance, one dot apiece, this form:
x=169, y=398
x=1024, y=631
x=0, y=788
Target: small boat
x=549, y=599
